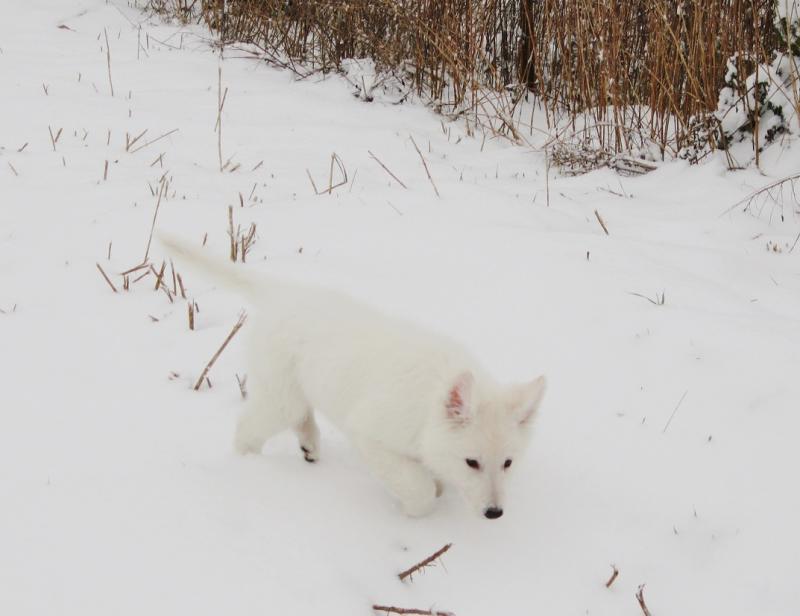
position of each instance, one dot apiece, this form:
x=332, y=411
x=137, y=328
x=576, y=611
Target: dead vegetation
x=427, y=562
x=636, y=78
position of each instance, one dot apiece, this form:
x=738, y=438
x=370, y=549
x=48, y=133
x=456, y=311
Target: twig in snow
x=790, y=250
x=220, y=104
x=767, y=192
x=236, y=328
x=613, y=577
x=242, y=385
x=152, y=141
x=602, y=223
x=640, y=599
x=108, y=60
x=54, y=138
x=677, y=406
x=335, y=159
x=385, y=168
x=130, y=142
x=107, y=279
x=409, y=610
x=424, y=164
x=408, y=573
x=161, y=193
x=660, y=300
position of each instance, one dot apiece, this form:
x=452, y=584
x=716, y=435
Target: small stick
x=105, y=172
x=313, y=185
x=54, y=138
x=424, y=164
x=669, y=421
x=129, y=143
x=12, y=168
x=791, y=250
x=424, y=563
x=236, y=328
x=389, y=609
x=108, y=60
x=640, y=599
x=242, y=385
x=613, y=576
x=108, y=257
x=24, y=145
x=220, y=104
x=135, y=269
x=600, y=220
x=191, y=316
x=180, y=284
x=108, y=280
x=159, y=275
x=152, y=141
x=174, y=278
x=137, y=279
x=153, y=225
x=385, y=168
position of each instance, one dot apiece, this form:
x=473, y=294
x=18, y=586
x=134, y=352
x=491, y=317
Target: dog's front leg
x=407, y=479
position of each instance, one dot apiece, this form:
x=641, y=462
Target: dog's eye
x=507, y=463
x=473, y=464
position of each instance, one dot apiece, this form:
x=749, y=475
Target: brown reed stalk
x=636, y=72
x=390, y=609
x=236, y=328
x=408, y=573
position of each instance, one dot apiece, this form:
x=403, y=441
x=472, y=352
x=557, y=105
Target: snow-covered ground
x=119, y=490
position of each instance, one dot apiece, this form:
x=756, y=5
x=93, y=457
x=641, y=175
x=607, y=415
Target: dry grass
x=210, y=364
x=636, y=76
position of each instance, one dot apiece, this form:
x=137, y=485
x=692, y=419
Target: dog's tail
x=225, y=273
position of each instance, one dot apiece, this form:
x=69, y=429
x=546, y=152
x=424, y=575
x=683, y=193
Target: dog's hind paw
x=308, y=455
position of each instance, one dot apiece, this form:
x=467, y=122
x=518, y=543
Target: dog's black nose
x=493, y=513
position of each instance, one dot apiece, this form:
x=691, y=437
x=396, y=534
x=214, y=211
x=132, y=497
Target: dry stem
x=613, y=577
x=107, y=279
x=236, y=328
x=640, y=599
x=602, y=223
x=409, y=610
x=408, y=573
x=108, y=60
x=425, y=164
x=385, y=168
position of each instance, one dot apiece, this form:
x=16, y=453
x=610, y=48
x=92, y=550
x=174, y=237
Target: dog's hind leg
x=308, y=436
x=271, y=408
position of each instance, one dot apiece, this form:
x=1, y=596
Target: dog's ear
x=526, y=398
x=458, y=404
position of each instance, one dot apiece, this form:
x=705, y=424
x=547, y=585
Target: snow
x=120, y=492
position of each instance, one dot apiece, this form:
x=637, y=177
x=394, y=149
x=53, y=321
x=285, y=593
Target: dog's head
x=478, y=434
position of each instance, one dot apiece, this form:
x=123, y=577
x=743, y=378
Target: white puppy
x=419, y=408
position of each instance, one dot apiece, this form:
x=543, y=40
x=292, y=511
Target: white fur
x=414, y=403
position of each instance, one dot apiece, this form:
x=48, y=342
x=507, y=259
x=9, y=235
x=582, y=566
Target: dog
x=421, y=411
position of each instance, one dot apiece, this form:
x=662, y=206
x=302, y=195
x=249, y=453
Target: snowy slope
x=119, y=491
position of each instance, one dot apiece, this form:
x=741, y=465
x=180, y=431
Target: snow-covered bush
x=756, y=110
